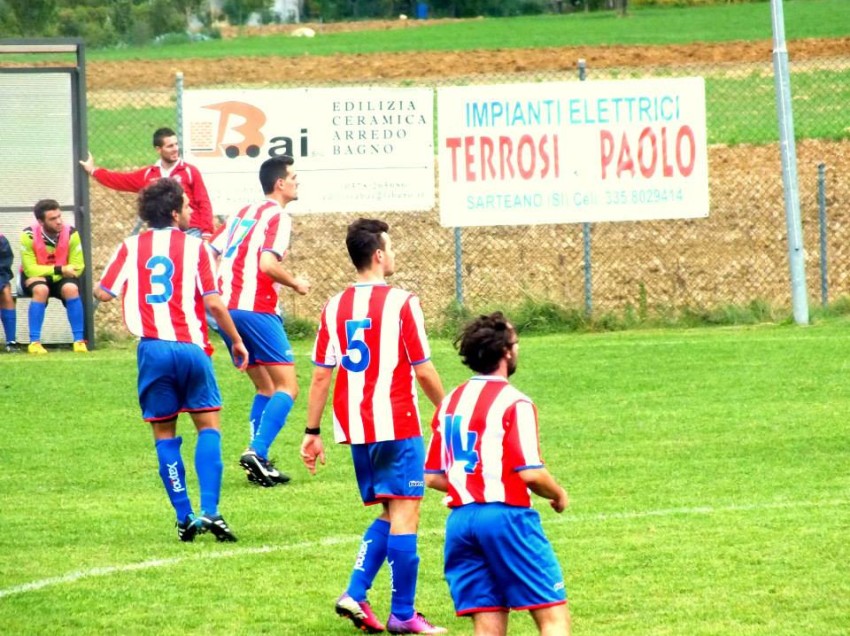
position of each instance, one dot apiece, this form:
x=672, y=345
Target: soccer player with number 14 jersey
x=166, y=278
x=374, y=336
x=485, y=453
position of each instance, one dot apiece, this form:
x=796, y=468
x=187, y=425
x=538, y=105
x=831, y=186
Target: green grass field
x=707, y=470
x=651, y=25
x=740, y=108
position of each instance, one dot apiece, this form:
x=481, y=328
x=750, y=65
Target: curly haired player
x=485, y=453
x=166, y=278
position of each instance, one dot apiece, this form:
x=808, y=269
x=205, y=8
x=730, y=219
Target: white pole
x=788, y=150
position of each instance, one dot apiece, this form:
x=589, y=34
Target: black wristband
x=57, y=270
x=312, y=431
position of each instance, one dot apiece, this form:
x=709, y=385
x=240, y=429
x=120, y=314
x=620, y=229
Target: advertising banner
x=355, y=149
x=572, y=152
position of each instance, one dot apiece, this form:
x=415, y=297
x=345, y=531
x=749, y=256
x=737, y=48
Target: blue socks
x=404, y=570
x=370, y=558
x=36, y=320
x=10, y=327
x=274, y=417
x=75, y=317
x=257, y=408
x=209, y=466
x=173, y=475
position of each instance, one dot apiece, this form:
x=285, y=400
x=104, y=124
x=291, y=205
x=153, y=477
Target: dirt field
x=130, y=75
x=736, y=255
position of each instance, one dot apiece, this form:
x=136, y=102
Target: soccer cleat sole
x=188, y=533
x=281, y=478
x=357, y=621
x=219, y=529
x=255, y=472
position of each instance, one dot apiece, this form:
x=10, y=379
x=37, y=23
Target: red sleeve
x=434, y=458
x=522, y=440
x=413, y=332
x=199, y=199
x=206, y=271
x=276, y=238
x=122, y=181
x=218, y=241
x=113, y=278
x=323, y=353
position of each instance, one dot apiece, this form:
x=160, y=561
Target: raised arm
x=123, y=181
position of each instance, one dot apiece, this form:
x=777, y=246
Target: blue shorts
x=174, y=378
x=264, y=338
x=498, y=559
x=394, y=469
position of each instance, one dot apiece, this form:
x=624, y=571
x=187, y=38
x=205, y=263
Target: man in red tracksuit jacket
x=169, y=165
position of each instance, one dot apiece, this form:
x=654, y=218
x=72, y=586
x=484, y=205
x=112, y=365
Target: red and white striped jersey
x=258, y=228
x=187, y=175
x=162, y=276
x=484, y=432
x=373, y=334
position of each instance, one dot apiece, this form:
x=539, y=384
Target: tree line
x=106, y=23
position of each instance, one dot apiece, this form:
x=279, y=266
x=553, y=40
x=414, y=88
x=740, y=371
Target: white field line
x=697, y=510
x=72, y=577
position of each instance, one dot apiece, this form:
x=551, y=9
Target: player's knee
x=292, y=390
x=404, y=515
x=40, y=292
x=287, y=385
x=553, y=621
x=6, y=299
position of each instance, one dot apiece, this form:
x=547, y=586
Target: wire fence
x=737, y=255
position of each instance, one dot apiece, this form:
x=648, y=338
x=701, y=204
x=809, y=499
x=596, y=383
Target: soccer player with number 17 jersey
x=374, y=336
x=252, y=245
x=166, y=279
x=484, y=452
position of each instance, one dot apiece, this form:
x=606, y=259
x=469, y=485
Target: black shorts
x=55, y=287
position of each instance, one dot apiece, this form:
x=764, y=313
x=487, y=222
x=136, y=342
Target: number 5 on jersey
x=356, y=344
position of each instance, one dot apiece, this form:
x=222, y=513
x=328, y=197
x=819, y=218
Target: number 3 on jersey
x=461, y=443
x=161, y=270
x=356, y=343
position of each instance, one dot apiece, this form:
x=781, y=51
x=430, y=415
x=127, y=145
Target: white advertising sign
x=355, y=149
x=572, y=152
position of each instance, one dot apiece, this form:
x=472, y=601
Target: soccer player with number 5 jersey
x=485, y=453
x=374, y=336
x=166, y=278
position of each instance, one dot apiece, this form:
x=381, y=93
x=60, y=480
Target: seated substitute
x=51, y=265
x=8, y=317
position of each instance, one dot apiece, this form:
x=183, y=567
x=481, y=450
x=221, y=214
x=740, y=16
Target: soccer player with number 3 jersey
x=252, y=245
x=166, y=279
x=374, y=336
x=485, y=453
